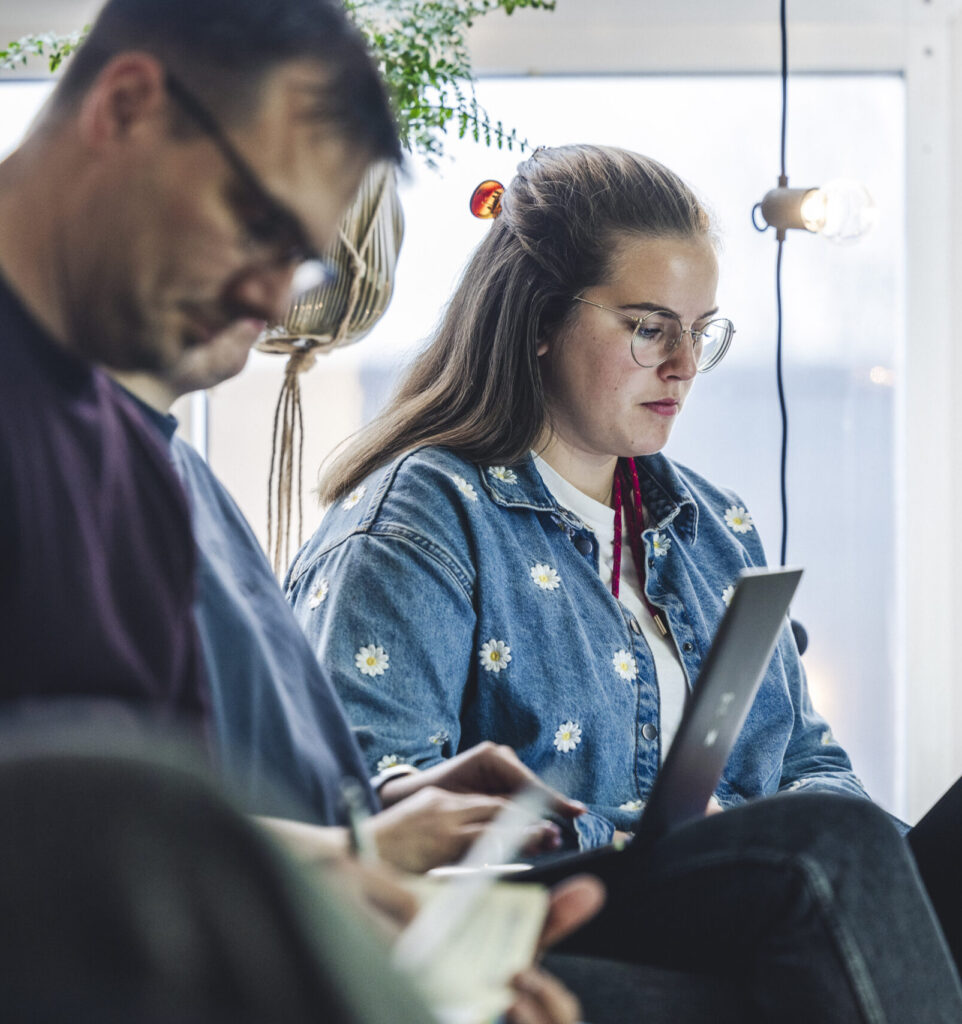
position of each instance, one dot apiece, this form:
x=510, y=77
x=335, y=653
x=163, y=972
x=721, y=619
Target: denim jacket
x=453, y=603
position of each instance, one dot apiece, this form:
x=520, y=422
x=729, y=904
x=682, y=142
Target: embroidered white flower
x=728, y=593
x=545, y=577
x=318, y=594
x=441, y=736
x=567, y=737
x=504, y=474
x=660, y=545
x=827, y=738
x=388, y=761
x=494, y=655
x=372, y=660
x=632, y=805
x=624, y=663
x=464, y=487
x=354, y=497
x=738, y=519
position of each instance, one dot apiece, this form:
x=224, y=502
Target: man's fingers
x=541, y=837
x=573, y=902
x=512, y=775
x=464, y=809
x=542, y=999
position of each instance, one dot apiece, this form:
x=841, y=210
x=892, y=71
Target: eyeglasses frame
x=301, y=250
x=639, y=321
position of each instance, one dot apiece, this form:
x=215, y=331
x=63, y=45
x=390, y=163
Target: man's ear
x=127, y=96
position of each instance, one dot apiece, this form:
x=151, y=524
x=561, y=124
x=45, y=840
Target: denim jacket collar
x=666, y=497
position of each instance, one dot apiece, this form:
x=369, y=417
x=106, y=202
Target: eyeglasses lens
x=714, y=341
x=658, y=335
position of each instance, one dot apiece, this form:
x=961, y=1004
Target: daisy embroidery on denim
x=545, y=577
x=464, y=487
x=738, y=520
x=494, y=655
x=318, y=595
x=632, y=805
x=503, y=474
x=439, y=737
x=567, y=737
x=660, y=545
x=388, y=761
x=354, y=497
x=827, y=738
x=624, y=663
x=372, y=660
x=728, y=593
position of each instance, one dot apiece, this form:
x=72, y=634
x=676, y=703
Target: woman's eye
x=646, y=333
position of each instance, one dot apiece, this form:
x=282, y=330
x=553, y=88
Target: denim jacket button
x=583, y=544
x=687, y=646
x=649, y=731
x=634, y=625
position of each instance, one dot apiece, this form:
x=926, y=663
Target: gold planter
x=365, y=257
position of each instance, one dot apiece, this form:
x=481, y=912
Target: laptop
x=714, y=714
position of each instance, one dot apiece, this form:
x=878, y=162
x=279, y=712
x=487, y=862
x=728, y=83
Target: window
x=844, y=338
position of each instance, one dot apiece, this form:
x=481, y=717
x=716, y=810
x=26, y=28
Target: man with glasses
x=178, y=187
x=182, y=178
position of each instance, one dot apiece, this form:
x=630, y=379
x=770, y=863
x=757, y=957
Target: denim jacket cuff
x=592, y=830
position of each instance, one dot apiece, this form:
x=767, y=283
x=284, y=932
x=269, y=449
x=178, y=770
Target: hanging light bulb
x=842, y=209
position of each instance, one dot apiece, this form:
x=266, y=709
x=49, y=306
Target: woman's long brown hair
x=477, y=387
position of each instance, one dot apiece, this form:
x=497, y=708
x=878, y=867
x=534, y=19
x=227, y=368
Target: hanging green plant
x=421, y=48
x=55, y=48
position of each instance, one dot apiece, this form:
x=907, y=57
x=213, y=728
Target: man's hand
x=489, y=768
x=541, y=998
x=436, y=826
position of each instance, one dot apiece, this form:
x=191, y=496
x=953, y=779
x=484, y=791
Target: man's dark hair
x=222, y=49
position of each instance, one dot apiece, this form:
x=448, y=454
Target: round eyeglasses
x=657, y=335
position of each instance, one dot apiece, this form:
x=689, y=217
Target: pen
x=358, y=811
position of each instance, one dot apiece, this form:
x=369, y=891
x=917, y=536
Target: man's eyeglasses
x=268, y=223
x=658, y=334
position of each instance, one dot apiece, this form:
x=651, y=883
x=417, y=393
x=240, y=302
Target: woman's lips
x=663, y=407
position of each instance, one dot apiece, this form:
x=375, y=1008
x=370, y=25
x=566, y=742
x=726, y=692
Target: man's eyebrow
x=654, y=307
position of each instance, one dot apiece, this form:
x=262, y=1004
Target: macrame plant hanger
x=287, y=446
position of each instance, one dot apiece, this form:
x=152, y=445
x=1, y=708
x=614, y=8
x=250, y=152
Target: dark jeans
x=809, y=906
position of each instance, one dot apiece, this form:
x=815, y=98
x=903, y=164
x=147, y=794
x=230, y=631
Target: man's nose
x=264, y=292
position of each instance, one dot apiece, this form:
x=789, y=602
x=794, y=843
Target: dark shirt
x=280, y=729
x=96, y=556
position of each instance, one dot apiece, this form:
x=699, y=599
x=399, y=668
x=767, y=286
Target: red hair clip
x=486, y=199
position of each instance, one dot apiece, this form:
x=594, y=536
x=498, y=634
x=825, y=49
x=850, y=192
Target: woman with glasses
x=508, y=556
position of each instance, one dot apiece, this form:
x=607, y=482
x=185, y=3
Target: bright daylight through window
x=843, y=339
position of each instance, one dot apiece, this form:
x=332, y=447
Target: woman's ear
x=542, y=348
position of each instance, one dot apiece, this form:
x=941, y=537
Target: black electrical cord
x=801, y=636
x=781, y=396
x=783, y=180
x=783, y=20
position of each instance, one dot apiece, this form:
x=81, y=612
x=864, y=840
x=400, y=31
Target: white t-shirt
x=600, y=519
